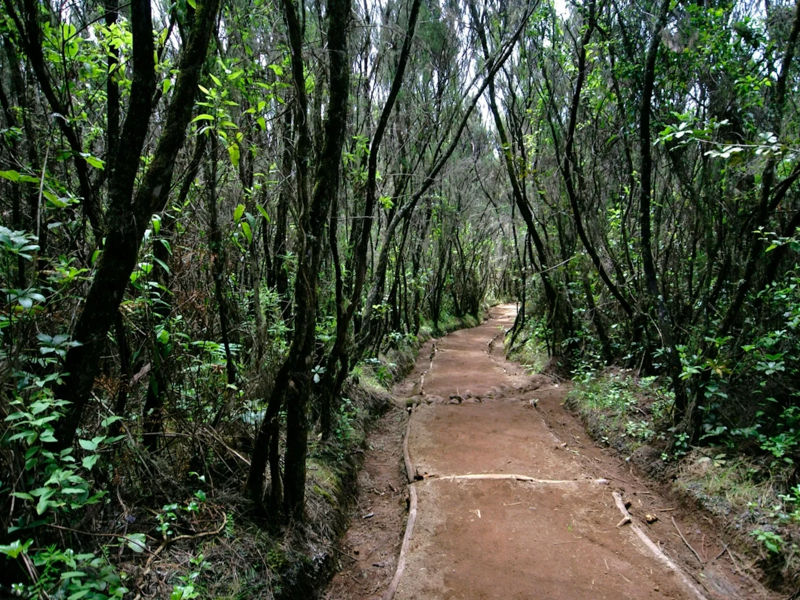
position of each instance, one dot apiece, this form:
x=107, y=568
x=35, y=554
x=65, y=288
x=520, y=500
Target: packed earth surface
x=479, y=484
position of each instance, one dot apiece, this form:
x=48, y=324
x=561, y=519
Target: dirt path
x=512, y=500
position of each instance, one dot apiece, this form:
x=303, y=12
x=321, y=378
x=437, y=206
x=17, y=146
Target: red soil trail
x=511, y=500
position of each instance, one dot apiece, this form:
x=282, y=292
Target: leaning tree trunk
x=333, y=378
x=129, y=215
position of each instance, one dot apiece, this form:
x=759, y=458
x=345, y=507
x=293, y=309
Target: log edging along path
x=412, y=514
x=413, y=479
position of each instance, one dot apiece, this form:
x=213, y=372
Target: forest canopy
x=217, y=215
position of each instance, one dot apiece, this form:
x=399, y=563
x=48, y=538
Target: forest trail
x=510, y=498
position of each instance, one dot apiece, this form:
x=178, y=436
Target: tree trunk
x=128, y=219
x=218, y=272
x=333, y=378
x=646, y=169
x=294, y=383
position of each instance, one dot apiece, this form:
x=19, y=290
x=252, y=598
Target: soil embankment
x=510, y=499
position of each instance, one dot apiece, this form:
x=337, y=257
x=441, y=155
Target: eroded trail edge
x=508, y=498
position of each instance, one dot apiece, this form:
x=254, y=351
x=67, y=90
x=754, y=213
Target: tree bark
x=129, y=214
x=569, y=163
x=293, y=384
x=333, y=378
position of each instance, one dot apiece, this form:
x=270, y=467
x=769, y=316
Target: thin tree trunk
x=112, y=90
x=569, y=163
x=158, y=380
x=333, y=377
x=646, y=170
x=293, y=385
x=280, y=278
x=218, y=264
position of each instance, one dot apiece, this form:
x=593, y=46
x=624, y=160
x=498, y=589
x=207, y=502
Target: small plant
x=348, y=414
x=169, y=516
x=167, y=519
x=382, y=371
x=640, y=430
x=189, y=587
x=680, y=447
x=771, y=540
x=786, y=441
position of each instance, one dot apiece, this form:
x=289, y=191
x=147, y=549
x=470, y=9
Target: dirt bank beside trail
x=511, y=499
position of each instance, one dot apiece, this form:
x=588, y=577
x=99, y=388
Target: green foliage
x=170, y=514
x=16, y=243
x=771, y=540
x=71, y=575
x=348, y=415
x=51, y=485
x=189, y=586
x=54, y=485
x=626, y=411
x=381, y=370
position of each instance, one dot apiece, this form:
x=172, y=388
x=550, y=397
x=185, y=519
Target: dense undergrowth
x=175, y=523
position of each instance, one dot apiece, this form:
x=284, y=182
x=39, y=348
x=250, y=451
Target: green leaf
x=43, y=504
x=91, y=445
x=10, y=175
x=47, y=437
x=233, y=151
x=110, y=420
x=15, y=548
x=238, y=212
x=263, y=212
x=203, y=117
x=162, y=264
x=93, y=161
x=71, y=574
x=88, y=462
x=135, y=541
x=192, y=3
x=248, y=233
